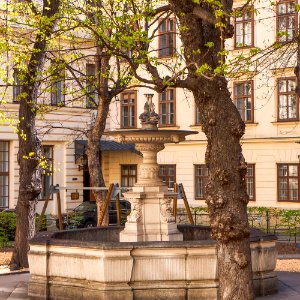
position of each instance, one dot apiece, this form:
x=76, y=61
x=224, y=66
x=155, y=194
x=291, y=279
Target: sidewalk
x=14, y=287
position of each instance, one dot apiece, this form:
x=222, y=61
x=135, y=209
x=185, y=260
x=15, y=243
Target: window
x=243, y=100
x=243, y=27
x=58, y=85
x=287, y=99
x=198, y=119
x=128, y=109
x=288, y=182
x=168, y=174
x=4, y=174
x=128, y=175
x=47, y=173
x=250, y=181
x=16, y=86
x=167, y=38
x=91, y=93
x=167, y=108
x=201, y=178
x=286, y=21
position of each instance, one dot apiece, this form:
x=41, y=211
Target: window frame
x=253, y=177
x=58, y=76
x=251, y=96
x=6, y=174
x=166, y=102
x=287, y=93
x=17, y=88
x=196, y=181
x=90, y=80
x=197, y=112
x=288, y=177
x=127, y=176
x=43, y=195
x=286, y=16
x=167, y=32
x=128, y=105
x=251, y=8
x=168, y=166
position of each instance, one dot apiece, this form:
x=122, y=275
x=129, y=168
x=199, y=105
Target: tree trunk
x=97, y=129
x=29, y=154
x=94, y=154
x=30, y=184
x=226, y=189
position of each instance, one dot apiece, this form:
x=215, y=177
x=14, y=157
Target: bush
x=7, y=226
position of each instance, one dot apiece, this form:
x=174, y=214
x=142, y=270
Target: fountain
x=151, y=217
x=152, y=257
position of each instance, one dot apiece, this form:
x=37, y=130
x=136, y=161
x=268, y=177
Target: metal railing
x=285, y=227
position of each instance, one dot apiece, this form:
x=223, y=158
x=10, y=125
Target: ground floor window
x=250, y=181
x=201, y=178
x=47, y=173
x=168, y=174
x=4, y=174
x=128, y=175
x=288, y=182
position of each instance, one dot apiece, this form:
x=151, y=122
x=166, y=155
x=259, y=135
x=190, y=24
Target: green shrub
x=40, y=223
x=7, y=226
x=3, y=238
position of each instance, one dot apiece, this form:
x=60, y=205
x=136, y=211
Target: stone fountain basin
x=132, y=136
x=92, y=264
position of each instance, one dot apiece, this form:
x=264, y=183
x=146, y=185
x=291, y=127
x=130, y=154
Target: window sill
x=252, y=124
x=288, y=201
x=196, y=126
x=243, y=48
x=287, y=122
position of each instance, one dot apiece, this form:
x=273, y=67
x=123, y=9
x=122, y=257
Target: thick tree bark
x=29, y=144
x=226, y=190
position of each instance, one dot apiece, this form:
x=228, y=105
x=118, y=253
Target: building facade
x=264, y=95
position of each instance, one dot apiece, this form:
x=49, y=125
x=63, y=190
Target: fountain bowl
x=92, y=264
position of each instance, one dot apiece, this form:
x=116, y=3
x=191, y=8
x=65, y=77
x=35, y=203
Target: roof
x=105, y=145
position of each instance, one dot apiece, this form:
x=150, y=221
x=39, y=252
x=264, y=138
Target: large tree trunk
x=226, y=190
x=30, y=184
x=29, y=154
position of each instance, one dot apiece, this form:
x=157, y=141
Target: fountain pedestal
x=151, y=217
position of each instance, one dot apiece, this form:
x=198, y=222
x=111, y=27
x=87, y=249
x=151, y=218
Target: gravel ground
x=5, y=256
x=289, y=265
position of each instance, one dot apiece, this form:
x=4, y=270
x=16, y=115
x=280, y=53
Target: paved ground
x=288, y=286
x=14, y=287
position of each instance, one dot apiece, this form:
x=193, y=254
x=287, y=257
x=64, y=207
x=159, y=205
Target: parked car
x=85, y=214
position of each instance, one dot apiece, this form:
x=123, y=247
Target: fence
x=284, y=223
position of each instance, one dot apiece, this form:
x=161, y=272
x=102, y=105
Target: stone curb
x=14, y=272
x=288, y=256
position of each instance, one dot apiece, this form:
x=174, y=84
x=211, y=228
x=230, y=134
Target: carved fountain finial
x=149, y=118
